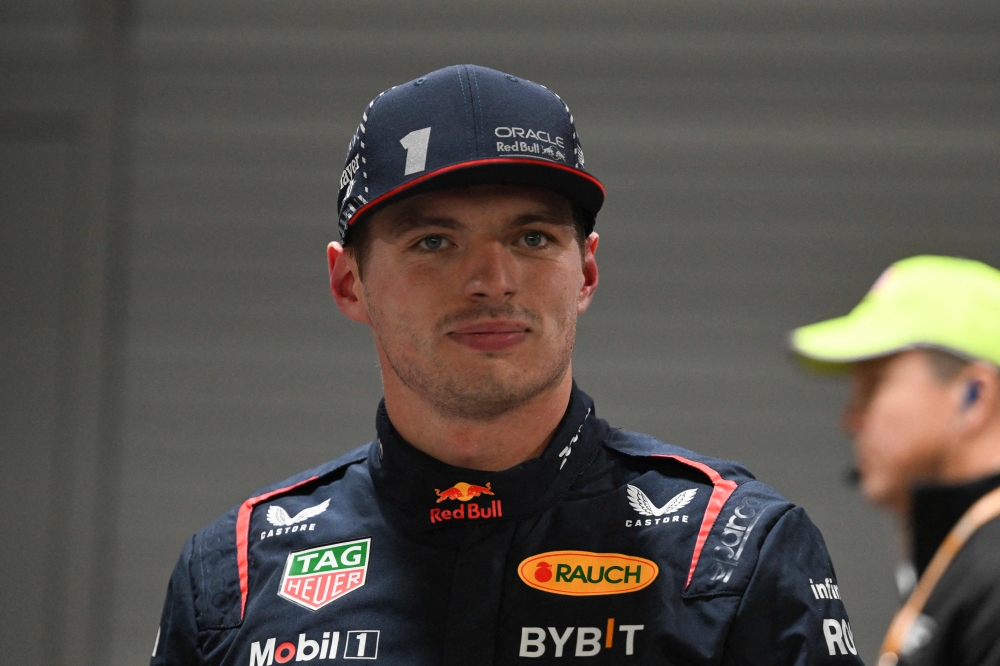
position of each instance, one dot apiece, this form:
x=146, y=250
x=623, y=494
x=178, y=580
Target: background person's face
x=899, y=415
x=473, y=294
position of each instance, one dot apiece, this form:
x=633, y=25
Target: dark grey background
x=167, y=175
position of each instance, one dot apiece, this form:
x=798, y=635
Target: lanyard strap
x=983, y=511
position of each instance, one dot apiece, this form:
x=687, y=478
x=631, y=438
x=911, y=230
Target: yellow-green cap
x=925, y=301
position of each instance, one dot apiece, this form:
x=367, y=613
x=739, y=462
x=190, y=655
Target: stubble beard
x=466, y=394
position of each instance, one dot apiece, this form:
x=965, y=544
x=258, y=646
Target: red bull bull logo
x=463, y=492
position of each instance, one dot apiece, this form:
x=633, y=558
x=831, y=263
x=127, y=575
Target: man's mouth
x=490, y=336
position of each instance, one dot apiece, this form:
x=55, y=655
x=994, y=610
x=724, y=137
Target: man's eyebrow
x=545, y=218
x=408, y=223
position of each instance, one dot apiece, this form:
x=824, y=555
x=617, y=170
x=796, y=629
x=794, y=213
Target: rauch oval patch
x=580, y=573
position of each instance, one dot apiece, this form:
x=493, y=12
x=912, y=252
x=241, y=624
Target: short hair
x=359, y=238
x=945, y=364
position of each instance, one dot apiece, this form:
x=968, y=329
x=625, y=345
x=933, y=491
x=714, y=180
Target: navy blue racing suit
x=612, y=547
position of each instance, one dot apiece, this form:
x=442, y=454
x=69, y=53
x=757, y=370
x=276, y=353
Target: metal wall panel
x=35, y=181
x=61, y=305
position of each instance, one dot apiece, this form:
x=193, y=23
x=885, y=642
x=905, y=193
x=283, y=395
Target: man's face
x=473, y=295
x=900, y=415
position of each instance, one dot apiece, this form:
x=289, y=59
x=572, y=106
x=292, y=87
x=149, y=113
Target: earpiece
x=971, y=394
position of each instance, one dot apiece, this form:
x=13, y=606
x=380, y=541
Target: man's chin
x=881, y=494
x=485, y=393
x=491, y=361
x=464, y=384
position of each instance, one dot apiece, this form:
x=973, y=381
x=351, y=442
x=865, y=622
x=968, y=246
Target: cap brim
x=829, y=346
x=574, y=184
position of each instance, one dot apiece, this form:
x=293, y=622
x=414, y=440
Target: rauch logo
x=580, y=573
x=315, y=577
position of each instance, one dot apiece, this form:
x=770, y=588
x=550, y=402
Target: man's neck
x=494, y=445
x=974, y=458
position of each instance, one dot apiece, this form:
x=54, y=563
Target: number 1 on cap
x=416, y=150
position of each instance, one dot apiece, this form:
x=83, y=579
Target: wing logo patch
x=286, y=524
x=280, y=518
x=642, y=505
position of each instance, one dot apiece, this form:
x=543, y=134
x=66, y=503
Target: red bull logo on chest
x=316, y=576
x=463, y=492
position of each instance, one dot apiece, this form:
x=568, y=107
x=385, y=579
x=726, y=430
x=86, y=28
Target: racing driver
x=494, y=518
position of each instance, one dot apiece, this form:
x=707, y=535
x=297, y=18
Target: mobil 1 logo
x=325, y=646
x=361, y=645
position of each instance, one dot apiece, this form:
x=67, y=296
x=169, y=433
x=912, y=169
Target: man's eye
x=534, y=239
x=432, y=242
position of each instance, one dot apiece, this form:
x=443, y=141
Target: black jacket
x=612, y=547
x=960, y=624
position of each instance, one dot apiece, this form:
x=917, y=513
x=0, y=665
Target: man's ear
x=345, y=284
x=979, y=386
x=590, y=275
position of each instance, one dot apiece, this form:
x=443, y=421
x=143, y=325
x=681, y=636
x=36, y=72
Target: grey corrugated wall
x=764, y=161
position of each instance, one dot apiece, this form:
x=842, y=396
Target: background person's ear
x=972, y=390
x=979, y=398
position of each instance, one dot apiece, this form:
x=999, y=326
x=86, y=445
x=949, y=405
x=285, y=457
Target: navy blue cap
x=462, y=125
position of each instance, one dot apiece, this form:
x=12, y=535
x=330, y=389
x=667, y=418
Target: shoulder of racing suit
x=739, y=515
x=218, y=554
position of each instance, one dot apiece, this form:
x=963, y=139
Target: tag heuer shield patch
x=315, y=577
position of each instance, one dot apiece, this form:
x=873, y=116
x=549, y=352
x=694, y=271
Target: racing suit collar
x=936, y=509
x=433, y=495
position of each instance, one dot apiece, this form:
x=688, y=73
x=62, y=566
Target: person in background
x=923, y=350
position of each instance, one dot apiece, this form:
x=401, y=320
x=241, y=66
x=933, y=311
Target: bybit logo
x=587, y=644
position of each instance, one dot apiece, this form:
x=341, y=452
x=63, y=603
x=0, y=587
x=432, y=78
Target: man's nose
x=490, y=273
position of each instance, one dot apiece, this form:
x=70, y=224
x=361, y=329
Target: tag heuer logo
x=315, y=577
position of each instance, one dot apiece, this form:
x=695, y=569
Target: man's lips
x=494, y=335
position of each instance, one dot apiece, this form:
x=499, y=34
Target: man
x=923, y=349
x=495, y=518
